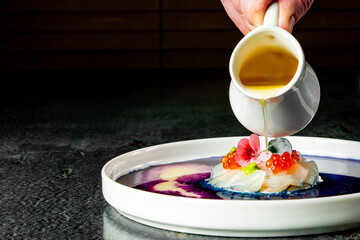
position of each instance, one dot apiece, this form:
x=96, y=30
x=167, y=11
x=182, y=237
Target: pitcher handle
x=271, y=15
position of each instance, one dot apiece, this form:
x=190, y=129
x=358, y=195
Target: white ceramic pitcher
x=294, y=106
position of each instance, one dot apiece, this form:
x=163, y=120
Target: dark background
x=85, y=81
x=67, y=43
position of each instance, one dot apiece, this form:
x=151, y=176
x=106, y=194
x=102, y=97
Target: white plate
x=235, y=217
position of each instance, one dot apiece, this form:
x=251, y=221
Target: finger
x=291, y=12
x=287, y=15
x=254, y=12
x=235, y=13
x=246, y=14
x=259, y=8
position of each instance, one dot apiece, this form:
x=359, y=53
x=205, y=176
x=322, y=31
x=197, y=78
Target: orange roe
x=282, y=163
x=229, y=161
x=295, y=155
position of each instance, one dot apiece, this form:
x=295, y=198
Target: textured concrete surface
x=55, y=138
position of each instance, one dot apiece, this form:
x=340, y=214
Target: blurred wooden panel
x=333, y=57
x=216, y=5
x=80, y=60
x=328, y=39
x=330, y=20
x=24, y=22
x=337, y=5
x=114, y=5
x=196, y=59
x=58, y=41
x=108, y=34
x=75, y=41
x=77, y=5
x=228, y=39
x=192, y=5
x=197, y=21
x=201, y=40
x=219, y=20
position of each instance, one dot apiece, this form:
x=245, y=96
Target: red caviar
x=229, y=161
x=282, y=163
x=295, y=155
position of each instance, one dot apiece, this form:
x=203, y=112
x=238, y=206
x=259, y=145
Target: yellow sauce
x=267, y=70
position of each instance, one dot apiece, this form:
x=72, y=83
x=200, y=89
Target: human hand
x=249, y=14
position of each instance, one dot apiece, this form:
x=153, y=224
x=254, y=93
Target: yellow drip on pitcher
x=264, y=92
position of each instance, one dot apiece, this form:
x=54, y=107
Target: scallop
x=236, y=180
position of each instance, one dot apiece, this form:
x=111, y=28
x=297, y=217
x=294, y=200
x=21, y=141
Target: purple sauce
x=194, y=185
x=189, y=183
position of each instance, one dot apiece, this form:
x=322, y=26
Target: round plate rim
x=109, y=186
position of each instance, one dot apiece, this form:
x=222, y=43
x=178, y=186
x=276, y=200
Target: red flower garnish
x=248, y=151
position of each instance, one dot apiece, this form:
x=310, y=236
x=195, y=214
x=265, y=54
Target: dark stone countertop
x=55, y=138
